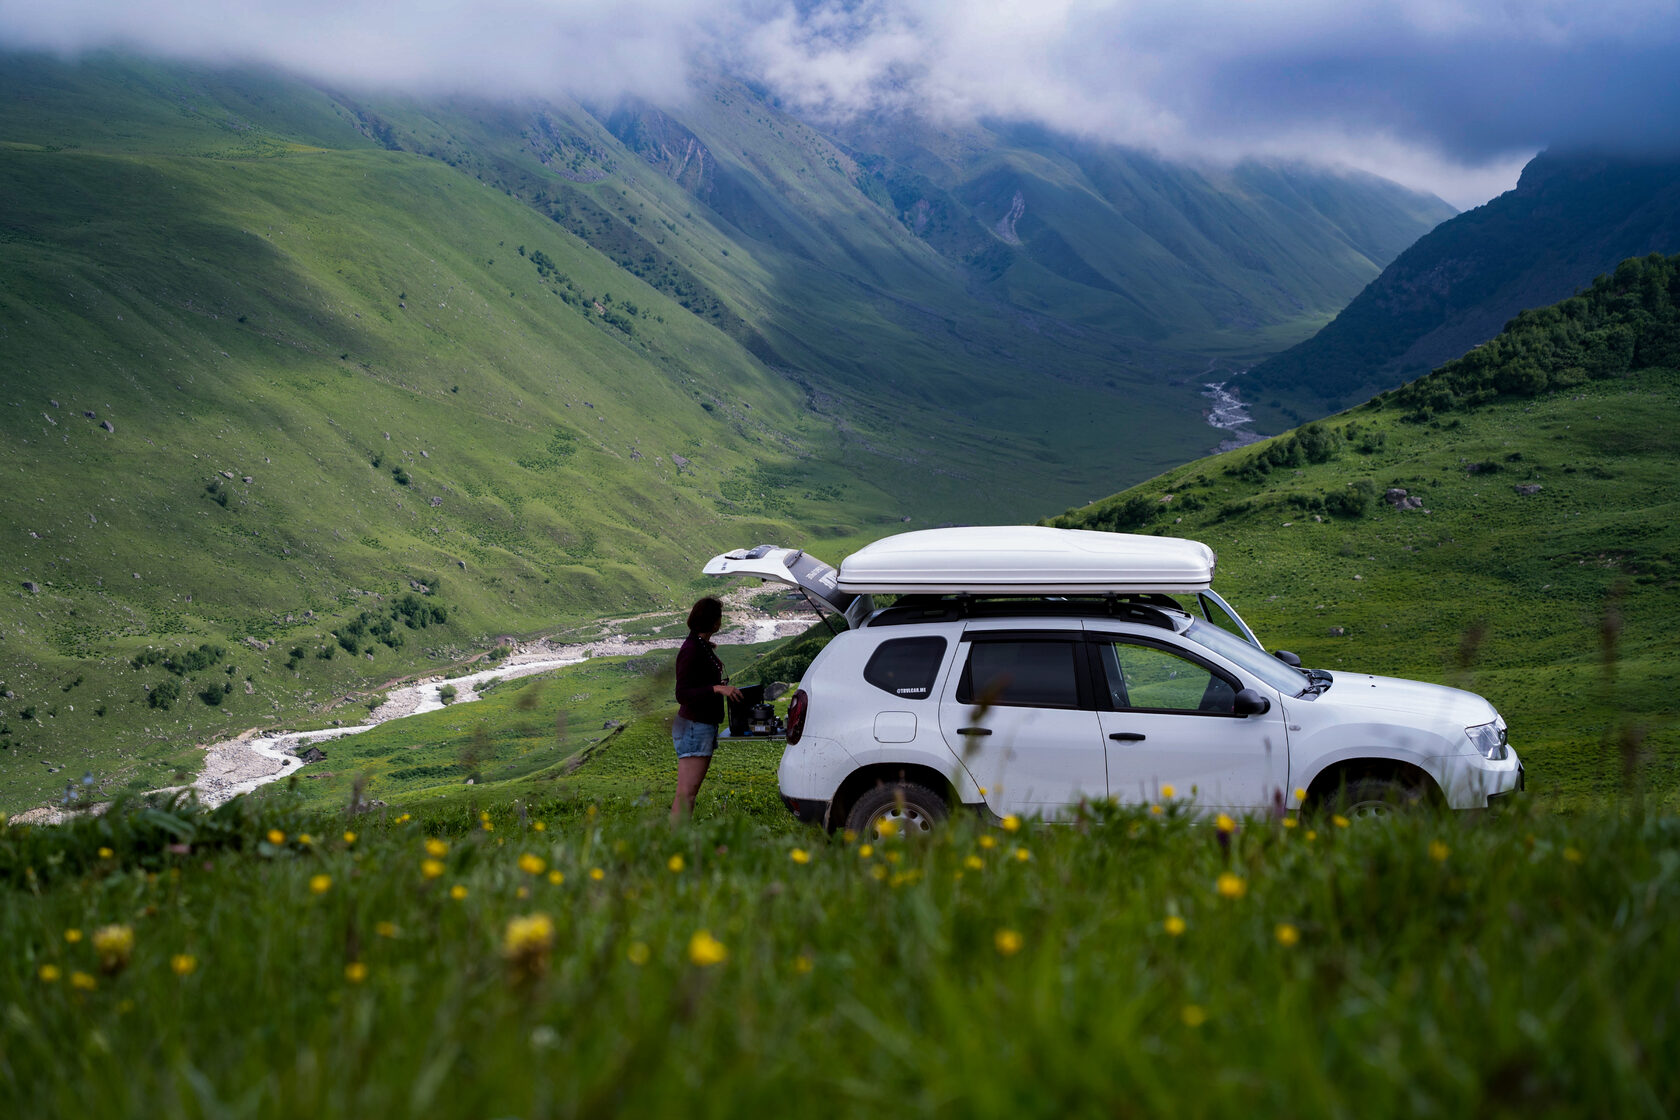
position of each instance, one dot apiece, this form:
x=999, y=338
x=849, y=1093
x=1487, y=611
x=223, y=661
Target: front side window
x=1021, y=674
x=906, y=667
x=1155, y=679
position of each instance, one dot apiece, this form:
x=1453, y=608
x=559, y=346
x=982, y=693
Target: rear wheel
x=912, y=810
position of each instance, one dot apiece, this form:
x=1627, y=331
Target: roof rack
x=1147, y=609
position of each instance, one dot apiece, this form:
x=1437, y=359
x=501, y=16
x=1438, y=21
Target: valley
x=313, y=390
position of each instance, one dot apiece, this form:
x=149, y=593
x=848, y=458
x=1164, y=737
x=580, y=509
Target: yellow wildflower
x=706, y=950
x=1007, y=942
x=1340, y=821
x=436, y=848
x=597, y=874
x=522, y=892
x=1439, y=851
x=638, y=953
x=320, y=884
x=1012, y=823
x=894, y=857
x=1230, y=885
x=276, y=837
x=1168, y=792
x=539, y=826
x=1300, y=794
x=1192, y=1015
x=1022, y=855
x=974, y=863
x=886, y=828
x=72, y=935
x=106, y=853
x=1287, y=934
x=1290, y=822
x=1573, y=855
x=431, y=868
x=385, y=929
x=1155, y=810
x=1312, y=834
x=675, y=864
x=878, y=871
x=800, y=855
x=305, y=838
x=531, y=864
x=590, y=812
x=49, y=973
x=1224, y=823
x=458, y=892
x=349, y=837
x=988, y=841
x=528, y=942
x=802, y=964
x=83, y=982
x=849, y=835
x=866, y=850
x=555, y=877
x=355, y=972
x=183, y=964
x=115, y=944
x=1174, y=925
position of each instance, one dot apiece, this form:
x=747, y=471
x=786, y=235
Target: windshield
x=1290, y=682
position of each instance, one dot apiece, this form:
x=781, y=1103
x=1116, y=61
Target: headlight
x=1489, y=739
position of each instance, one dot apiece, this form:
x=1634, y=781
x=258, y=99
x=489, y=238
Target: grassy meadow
x=573, y=956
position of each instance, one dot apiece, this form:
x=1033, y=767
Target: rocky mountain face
x=1571, y=218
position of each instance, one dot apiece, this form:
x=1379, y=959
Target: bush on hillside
x=1626, y=321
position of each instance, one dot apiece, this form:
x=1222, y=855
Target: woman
x=701, y=690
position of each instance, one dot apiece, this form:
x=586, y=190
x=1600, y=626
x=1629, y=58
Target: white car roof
x=1027, y=559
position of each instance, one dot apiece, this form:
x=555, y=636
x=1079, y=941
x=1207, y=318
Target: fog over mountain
x=1447, y=97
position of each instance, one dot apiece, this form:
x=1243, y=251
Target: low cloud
x=1448, y=96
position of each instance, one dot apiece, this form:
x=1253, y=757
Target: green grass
x=1516, y=962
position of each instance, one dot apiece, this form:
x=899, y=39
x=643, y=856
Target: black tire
x=1376, y=797
x=915, y=808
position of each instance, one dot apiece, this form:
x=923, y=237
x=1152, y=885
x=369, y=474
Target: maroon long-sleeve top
x=698, y=669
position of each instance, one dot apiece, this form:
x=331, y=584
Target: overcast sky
x=1448, y=97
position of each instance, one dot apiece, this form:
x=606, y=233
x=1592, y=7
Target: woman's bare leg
x=690, y=773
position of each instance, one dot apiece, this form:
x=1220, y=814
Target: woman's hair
x=706, y=616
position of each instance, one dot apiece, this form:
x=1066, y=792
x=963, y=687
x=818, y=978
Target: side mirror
x=1250, y=703
x=1287, y=658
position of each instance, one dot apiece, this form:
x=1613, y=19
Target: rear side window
x=906, y=667
x=1021, y=674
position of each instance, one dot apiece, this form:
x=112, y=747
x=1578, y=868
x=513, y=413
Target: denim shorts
x=693, y=740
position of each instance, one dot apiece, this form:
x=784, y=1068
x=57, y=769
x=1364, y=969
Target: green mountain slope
x=1532, y=557
x=305, y=390
x=1570, y=218
x=1546, y=540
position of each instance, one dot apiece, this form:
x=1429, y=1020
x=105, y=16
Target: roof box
x=1028, y=560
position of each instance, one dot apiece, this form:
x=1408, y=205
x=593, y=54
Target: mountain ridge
x=1571, y=217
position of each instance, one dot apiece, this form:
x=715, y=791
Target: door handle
x=974, y=731
x=1127, y=737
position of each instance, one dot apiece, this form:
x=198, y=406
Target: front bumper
x=1504, y=797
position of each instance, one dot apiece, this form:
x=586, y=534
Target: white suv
x=1024, y=670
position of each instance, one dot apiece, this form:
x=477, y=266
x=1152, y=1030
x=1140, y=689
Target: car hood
x=1362, y=692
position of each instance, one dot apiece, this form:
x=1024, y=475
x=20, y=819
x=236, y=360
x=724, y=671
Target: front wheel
x=911, y=809
x=1376, y=797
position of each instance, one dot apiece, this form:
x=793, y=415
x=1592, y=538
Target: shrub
x=1354, y=501
x=447, y=694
